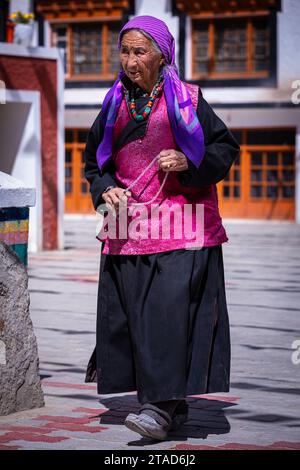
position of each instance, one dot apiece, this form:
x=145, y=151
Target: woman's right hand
x=114, y=197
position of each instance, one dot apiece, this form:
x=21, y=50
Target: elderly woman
x=162, y=321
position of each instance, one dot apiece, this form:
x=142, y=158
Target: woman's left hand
x=172, y=160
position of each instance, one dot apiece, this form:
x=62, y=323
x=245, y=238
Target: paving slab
x=262, y=409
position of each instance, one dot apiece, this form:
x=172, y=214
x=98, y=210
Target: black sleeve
x=221, y=149
x=98, y=182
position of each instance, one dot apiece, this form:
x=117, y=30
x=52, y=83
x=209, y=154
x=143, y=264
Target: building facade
x=243, y=54
x=32, y=132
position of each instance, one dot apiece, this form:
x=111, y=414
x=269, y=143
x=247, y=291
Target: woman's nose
x=132, y=59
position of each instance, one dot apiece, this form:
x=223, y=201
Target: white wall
x=80, y=118
x=260, y=117
x=160, y=9
x=19, y=96
x=20, y=153
x=60, y=146
x=24, y=6
x=288, y=43
x=85, y=95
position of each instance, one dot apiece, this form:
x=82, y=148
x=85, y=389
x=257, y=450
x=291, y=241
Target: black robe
x=162, y=320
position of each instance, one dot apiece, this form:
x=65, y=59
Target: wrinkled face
x=140, y=60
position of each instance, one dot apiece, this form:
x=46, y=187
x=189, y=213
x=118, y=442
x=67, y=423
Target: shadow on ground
x=206, y=417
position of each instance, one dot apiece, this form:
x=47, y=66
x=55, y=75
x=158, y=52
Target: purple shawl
x=185, y=125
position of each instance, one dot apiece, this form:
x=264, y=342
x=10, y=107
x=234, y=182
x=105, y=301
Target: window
x=272, y=162
x=87, y=50
x=261, y=183
x=90, y=49
x=272, y=174
x=231, y=47
x=232, y=182
x=60, y=40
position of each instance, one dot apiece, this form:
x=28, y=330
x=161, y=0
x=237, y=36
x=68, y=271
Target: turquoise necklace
x=132, y=104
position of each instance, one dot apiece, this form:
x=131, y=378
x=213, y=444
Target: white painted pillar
x=21, y=157
x=25, y=6
x=161, y=9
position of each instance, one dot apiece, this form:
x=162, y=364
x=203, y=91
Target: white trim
x=93, y=96
x=36, y=227
x=247, y=95
x=37, y=246
x=60, y=150
x=241, y=118
x=80, y=118
x=32, y=52
x=47, y=34
x=188, y=48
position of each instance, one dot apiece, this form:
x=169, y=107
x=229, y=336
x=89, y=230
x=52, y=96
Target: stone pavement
x=262, y=410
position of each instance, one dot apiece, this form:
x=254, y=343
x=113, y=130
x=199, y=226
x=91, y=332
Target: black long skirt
x=162, y=325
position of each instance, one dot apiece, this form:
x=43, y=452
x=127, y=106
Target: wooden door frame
x=262, y=207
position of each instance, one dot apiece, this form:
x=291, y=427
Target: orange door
x=77, y=194
x=261, y=184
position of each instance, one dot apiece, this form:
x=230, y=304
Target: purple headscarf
x=185, y=125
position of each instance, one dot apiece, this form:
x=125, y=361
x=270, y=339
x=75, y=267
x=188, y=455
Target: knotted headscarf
x=185, y=125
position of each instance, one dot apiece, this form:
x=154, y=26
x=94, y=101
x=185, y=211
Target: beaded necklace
x=132, y=104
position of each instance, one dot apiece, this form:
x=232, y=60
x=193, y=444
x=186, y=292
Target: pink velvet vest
x=130, y=160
